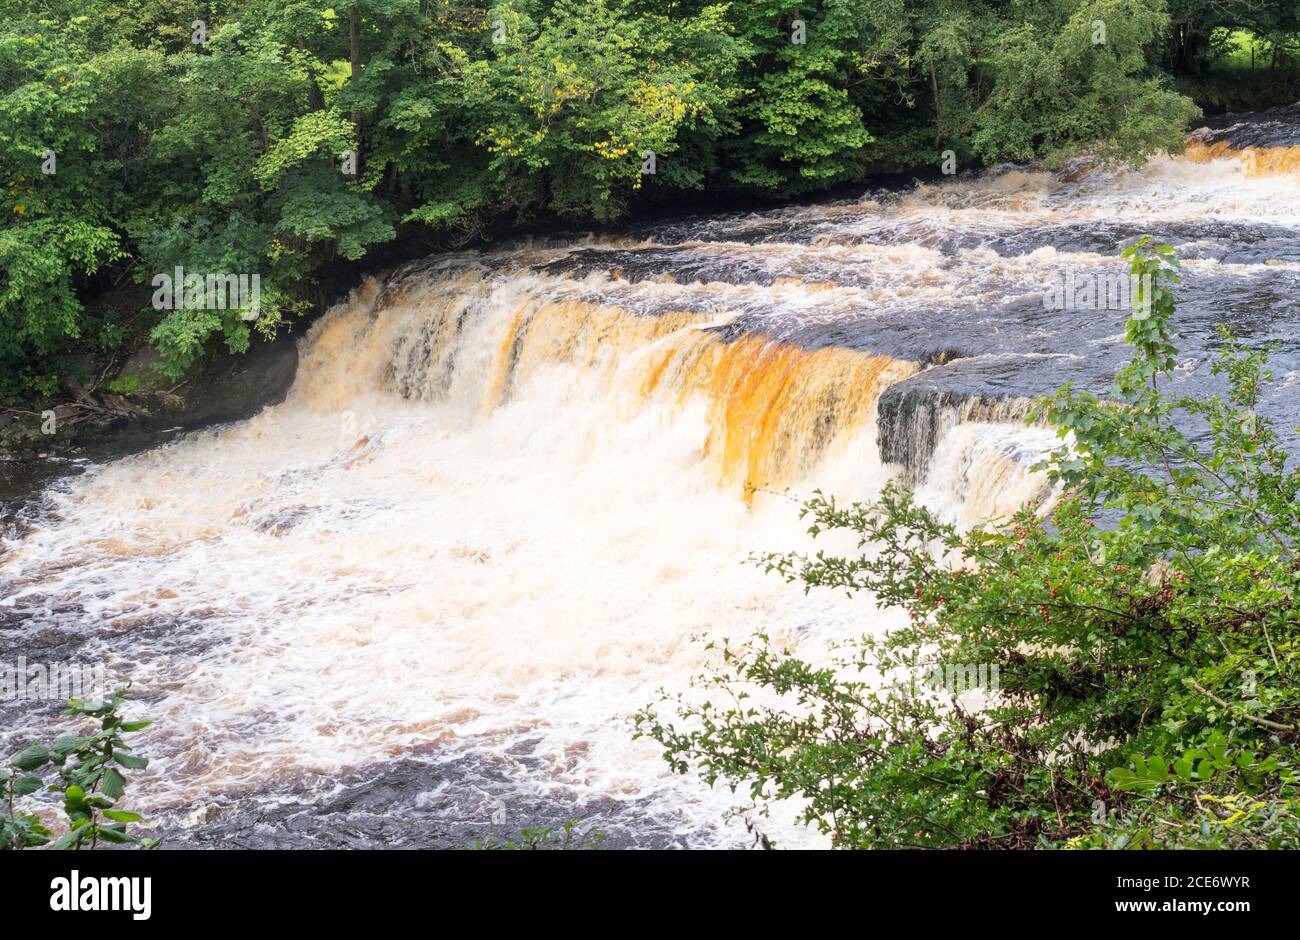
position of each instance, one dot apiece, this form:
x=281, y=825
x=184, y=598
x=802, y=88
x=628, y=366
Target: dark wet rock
x=282, y=521
x=144, y=410
x=1075, y=168
x=1228, y=242
x=915, y=414
x=21, y=482
x=676, y=263
x=1276, y=127
x=448, y=803
x=684, y=255
x=228, y=388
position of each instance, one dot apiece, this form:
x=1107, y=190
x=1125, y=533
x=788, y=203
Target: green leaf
x=70, y=839
x=27, y=785
x=68, y=744
x=114, y=784
x=114, y=834
x=130, y=761
x=31, y=758
x=121, y=815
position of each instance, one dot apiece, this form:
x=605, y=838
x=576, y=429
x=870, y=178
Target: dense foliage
x=1135, y=642
x=213, y=136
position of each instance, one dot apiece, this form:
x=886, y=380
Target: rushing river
x=416, y=602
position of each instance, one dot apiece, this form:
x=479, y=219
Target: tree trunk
x=314, y=100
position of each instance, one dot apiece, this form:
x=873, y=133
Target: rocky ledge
x=140, y=404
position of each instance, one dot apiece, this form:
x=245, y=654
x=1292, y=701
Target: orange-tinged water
x=1257, y=161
